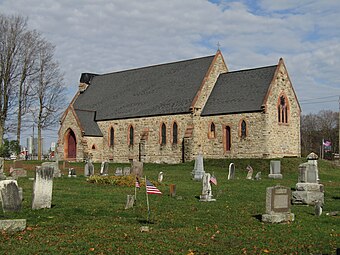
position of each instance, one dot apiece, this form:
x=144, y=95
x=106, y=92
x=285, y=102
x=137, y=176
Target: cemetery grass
x=89, y=218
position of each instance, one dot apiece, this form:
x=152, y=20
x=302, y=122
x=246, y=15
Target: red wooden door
x=72, y=145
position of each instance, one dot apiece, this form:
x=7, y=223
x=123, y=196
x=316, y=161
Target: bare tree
x=28, y=68
x=12, y=29
x=318, y=127
x=49, y=91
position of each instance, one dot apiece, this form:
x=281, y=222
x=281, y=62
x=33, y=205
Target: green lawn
x=89, y=218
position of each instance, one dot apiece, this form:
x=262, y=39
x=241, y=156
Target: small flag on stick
x=137, y=183
x=151, y=189
x=213, y=180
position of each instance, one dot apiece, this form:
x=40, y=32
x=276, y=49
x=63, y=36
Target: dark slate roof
x=87, y=120
x=239, y=91
x=149, y=91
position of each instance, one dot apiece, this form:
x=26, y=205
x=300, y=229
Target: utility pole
x=339, y=129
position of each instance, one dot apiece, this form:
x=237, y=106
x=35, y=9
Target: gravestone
x=137, y=168
x=231, y=174
x=275, y=169
x=42, y=187
x=14, y=225
x=119, y=171
x=72, y=172
x=172, y=190
x=10, y=198
x=198, y=172
x=160, y=176
x=130, y=201
x=126, y=171
x=312, y=158
x=104, y=168
x=307, y=189
x=250, y=173
x=88, y=168
x=55, y=166
x=278, y=205
x=318, y=208
x=206, y=189
x=2, y=167
x=258, y=176
x=17, y=169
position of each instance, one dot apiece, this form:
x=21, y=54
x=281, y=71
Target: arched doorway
x=70, y=145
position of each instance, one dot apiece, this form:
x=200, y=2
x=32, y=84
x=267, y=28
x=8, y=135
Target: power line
x=303, y=100
x=319, y=102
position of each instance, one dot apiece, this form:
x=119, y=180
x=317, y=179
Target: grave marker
x=198, y=172
x=250, y=173
x=231, y=174
x=206, y=189
x=10, y=197
x=42, y=187
x=126, y=171
x=119, y=171
x=275, y=169
x=104, y=168
x=278, y=205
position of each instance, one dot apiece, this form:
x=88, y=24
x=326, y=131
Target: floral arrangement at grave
x=122, y=181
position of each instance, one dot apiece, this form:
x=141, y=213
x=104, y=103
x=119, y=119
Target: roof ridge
x=251, y=69
x=156, y=65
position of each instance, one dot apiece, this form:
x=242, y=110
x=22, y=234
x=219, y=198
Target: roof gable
x=149, y=91
x=239, y=91
x=87, y=120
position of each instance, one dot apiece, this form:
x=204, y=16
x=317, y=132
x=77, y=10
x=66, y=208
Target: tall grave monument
x=198, y=172
x=308, y=190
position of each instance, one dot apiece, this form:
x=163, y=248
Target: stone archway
x=70, y=145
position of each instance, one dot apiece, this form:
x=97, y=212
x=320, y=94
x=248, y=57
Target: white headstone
x=231, y=174
x=42, y=187
x=275, y=169
x=250, y=173
x=198, y=172
x=119, y=171
x=206, y=189
x=160, y=177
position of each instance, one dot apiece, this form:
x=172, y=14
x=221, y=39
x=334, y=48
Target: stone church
x=171, y=112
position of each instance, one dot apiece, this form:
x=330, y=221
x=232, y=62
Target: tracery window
x=112, y=137
x=131, y=135
x=163, y=134
x=282, y=110
x=175, y=133
x=212, y=130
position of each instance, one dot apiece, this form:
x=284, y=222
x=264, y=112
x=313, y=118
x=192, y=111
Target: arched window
x=93, y=147
x=112, y=137
x=282, y=109
x=174, y=133
x=163, y=134
x=212, y=130
x=227, y=138
x=131, y=135
x=243, y=129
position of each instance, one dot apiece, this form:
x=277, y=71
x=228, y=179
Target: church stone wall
x=283, y=139
x=148, y=129
x=250, y=146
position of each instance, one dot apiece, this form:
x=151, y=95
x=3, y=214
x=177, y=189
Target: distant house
x=171, y=112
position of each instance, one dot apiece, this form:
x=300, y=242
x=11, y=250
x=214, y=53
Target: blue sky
x=112, y=35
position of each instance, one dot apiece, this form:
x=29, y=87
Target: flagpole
x=147, y=200
x=135, y=193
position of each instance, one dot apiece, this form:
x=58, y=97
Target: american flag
x=137, y=183
x=151, y=189
x=213, y=180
